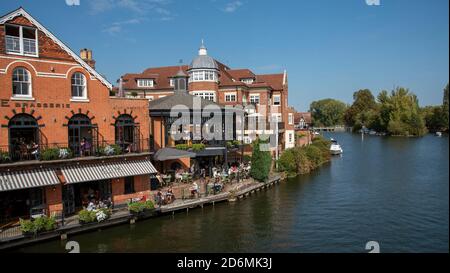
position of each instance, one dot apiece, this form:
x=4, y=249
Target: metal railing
x=56, y=151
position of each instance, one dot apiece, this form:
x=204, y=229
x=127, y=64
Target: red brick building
x=212, y=80
x=52, y=100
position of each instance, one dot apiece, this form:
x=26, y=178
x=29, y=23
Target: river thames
x=394, y=191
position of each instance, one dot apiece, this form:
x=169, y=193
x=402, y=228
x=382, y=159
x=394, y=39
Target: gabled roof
x=274, y=80
x=239, y=74
x=306, y=116
x=161, y=76
x=21, y=12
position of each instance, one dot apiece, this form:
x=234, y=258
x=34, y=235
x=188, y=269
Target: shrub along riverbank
x=302, y=160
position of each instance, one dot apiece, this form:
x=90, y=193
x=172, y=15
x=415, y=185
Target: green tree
x=261, y=161
x=400, y=113
x=445, y=109
x=361, y=111
x=328, y=112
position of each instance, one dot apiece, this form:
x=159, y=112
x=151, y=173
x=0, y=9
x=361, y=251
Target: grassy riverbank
x=302, y=160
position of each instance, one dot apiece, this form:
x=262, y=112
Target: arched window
x=79, y=86
x=125, y=133
x=81, y=137
x=21, y=79
x=23, y=136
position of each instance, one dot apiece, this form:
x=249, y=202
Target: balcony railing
x=58, y=151
x=12, y=44
x=28, y=46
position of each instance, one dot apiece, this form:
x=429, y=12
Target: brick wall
x=141, y=187
x=51, y=104
x=53, y=198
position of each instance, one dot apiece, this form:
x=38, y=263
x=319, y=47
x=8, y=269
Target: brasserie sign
x=7, y=103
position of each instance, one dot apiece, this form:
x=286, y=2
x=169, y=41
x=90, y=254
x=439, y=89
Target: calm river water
x=391, y=190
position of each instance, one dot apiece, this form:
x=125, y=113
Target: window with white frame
x=79, y=86
x=203, y=75
x=21, y=40
x=276, y=99
x=290, y=137
x=291, y=118
x=145, y=83
x=247, y=80
x=230, y=97
x=172, y=82
x=21, y=80
x=207, y=95
x=254, y=99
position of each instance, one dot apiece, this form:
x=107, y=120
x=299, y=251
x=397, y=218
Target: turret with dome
x=203, y=67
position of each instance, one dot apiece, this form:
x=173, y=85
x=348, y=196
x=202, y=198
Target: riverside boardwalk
x=13, y=237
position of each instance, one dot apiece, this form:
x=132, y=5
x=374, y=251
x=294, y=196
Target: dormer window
x=172, y=82
x=247, y=80
x=21, y=40
x=145, y=83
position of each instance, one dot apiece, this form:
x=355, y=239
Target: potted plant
x=27, y=228
x=141, y=209
x=97, y=215
x=38, y=225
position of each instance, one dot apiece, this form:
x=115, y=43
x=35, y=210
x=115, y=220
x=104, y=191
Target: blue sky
x=330, y=48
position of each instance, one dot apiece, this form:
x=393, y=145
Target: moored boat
x=335, y=148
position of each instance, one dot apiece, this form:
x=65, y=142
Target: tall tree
x=363, y=101
x=445, y=107
x=261, y=161
x=328, y=112
x=400, y=113
x=363, y=110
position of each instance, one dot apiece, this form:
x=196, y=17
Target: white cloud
x=117, y=27
x=140, y=7
x=232, y=6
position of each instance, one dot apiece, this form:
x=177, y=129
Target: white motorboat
x=335, y=148
x=439, y=134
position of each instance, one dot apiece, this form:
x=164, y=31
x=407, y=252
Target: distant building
x=214, y=81
x=303, y=120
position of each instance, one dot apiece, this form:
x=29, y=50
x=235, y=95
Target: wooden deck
x=238, y=191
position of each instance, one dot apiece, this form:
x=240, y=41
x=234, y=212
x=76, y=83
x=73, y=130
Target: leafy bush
x=233, y=144
x=50, y=154
x=85, y=216
x=198, y=147
x=137, y=207
x=301, y=160
x=4, y=157
x=56, y=153
x=37, y=225
x=261, y=162
x=98, y=215
x=26, y=226
x=183, y=147
x=110, y=150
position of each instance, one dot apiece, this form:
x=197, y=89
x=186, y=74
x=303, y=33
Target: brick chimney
x=86, y=55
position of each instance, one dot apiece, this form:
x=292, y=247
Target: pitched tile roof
x=227, y=77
